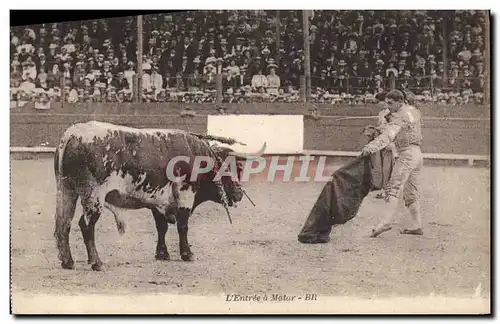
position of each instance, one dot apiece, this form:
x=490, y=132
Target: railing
x=240, y=89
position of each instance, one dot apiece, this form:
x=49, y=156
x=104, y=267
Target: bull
x=116, y=167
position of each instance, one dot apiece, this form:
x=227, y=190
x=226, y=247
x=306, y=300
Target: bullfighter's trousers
x=405, y=175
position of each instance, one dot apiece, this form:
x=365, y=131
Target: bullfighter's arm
x=383, y=140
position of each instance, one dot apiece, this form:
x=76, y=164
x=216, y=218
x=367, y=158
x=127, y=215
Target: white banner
x=284, y=134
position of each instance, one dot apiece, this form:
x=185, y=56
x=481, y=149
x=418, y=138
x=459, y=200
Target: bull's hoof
x=162, y=256
x=187, y=256
x=68, y=265
x=97, y=267
x=314, y=239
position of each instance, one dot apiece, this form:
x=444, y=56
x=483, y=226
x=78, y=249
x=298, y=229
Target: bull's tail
x=66, y=200
x=59, y=154
x=120, y=222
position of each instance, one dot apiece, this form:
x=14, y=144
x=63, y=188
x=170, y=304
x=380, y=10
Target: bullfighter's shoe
x=417, y=231
x=377, y=232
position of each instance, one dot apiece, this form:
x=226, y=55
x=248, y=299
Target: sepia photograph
x=253, y=162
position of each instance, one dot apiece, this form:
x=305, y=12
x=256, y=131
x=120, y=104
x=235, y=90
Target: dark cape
x=342, y=196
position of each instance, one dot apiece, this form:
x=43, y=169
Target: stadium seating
x=354, y=55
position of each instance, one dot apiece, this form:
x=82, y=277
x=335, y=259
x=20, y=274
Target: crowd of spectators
x=354, y=55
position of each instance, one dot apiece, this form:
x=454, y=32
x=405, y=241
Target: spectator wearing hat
x=54, y=76
x=86, y=97
x=96, y=94
x=418, y=84
x=404, y=81
x=320, y=80
x=477, y=84
x=219, y=65
x=479, y=69
x=476, y=57
x=65, y=56
x=436, y=80
x=234, y=69
x=69, y=46
x=419, y=69
x=379, y=66
x=41, y=62
x=41, y=79
x=391, y=73
x=440, y=69
x=296, y=70
x=211, y=59
x=196, y=65
x=241, y=79
x=14, y=41
x=123, y=63
x=266, y=52
x=115, y=65
x=109, y=80
x=259, y=82
x=110, y=55
x=254, y=65
x=111, y=94
x=122, y=82
x=464, y=55
x=273, y=80
x=66, y=72
x=78, y=76
x=29, y=68
x=195, y=79
x=184, y=70
x=335, y=82
x=15, y=65
x=466, y=77
x=92, y=71
x=209, y=76
x=25, y=48
x=342, y=69
x=223, y=49
x=155, y=80
x=355, y=76
x=227, y=79
x=406, y=43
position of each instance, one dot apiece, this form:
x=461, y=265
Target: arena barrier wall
x=440, y=135
x=172, y=108
x=462, y=140
x=28, y=130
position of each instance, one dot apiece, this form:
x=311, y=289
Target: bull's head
x=231, y=186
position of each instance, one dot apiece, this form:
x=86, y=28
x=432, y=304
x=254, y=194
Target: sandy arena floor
x=260, y=252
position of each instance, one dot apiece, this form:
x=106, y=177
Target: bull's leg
x=65, y=211
x=182, y=228
x=92, y=211
x=83, y=227
x=161, y=228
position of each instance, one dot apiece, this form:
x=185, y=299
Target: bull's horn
x=251, y=155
